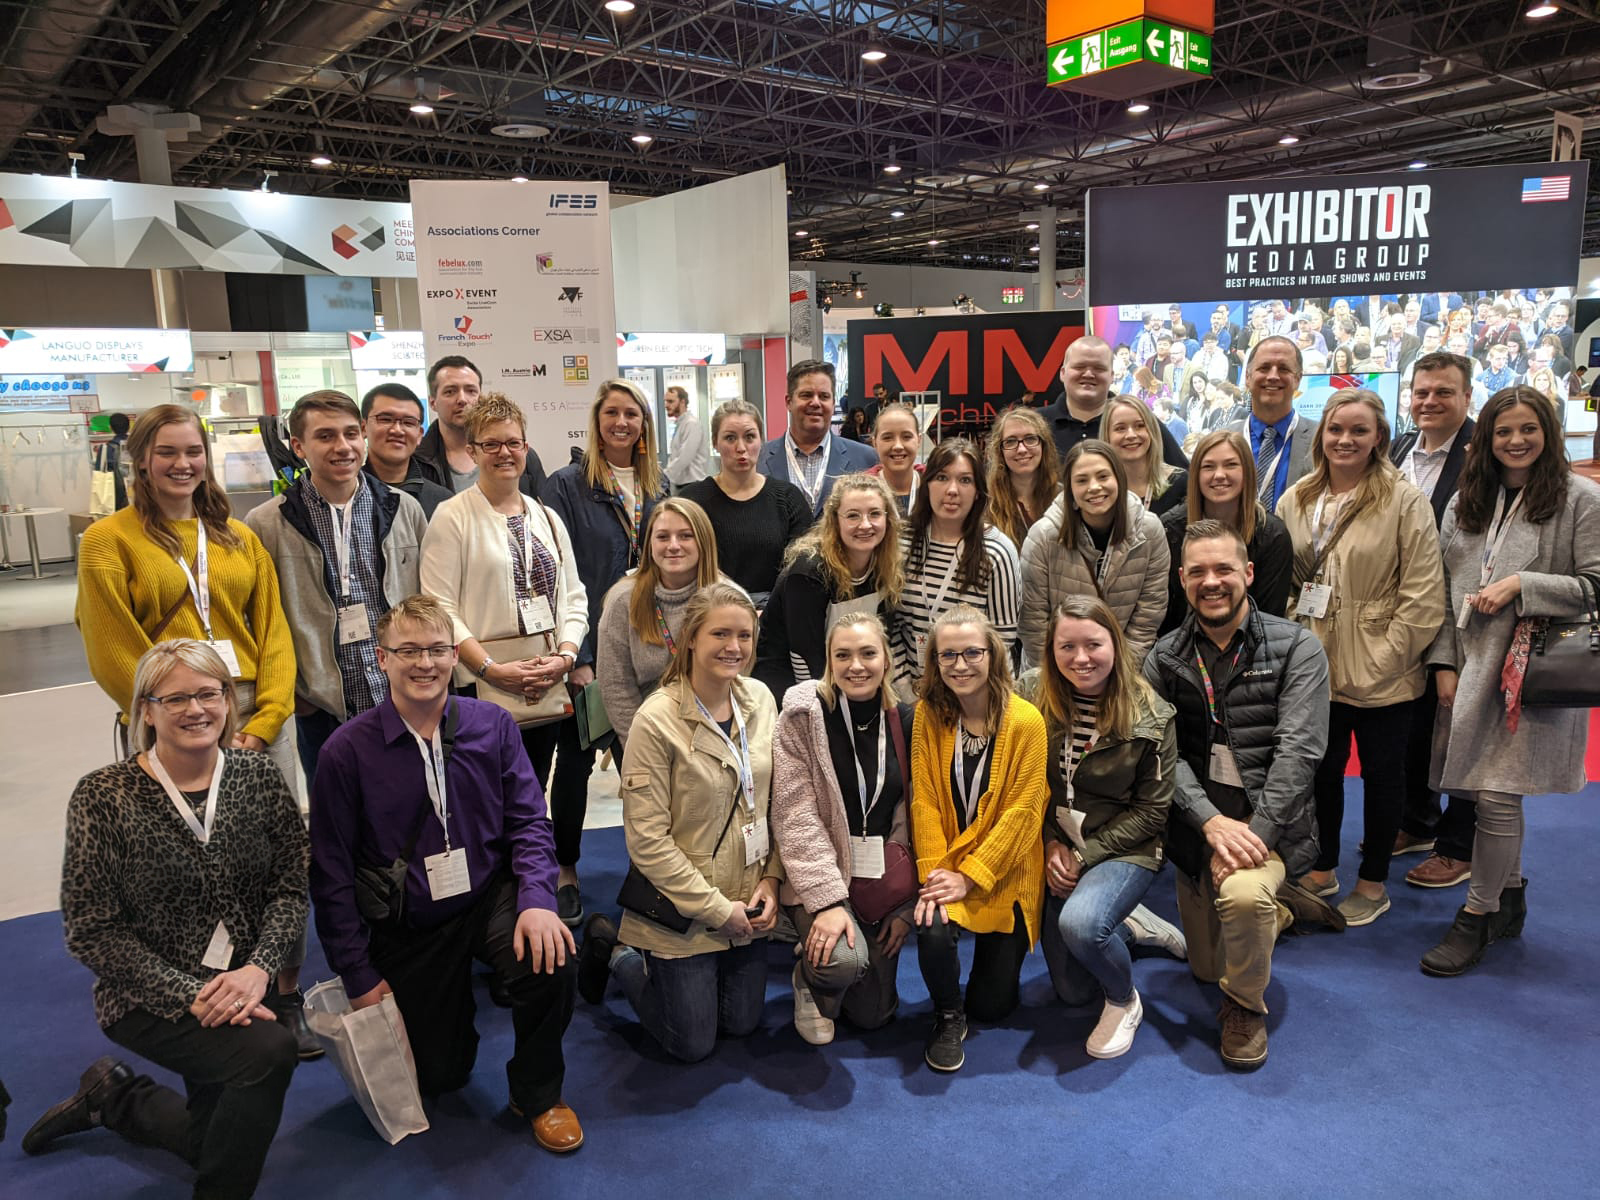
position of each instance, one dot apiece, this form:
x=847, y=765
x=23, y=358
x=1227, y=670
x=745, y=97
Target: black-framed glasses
x=389, y=420
x=177, y=703
x=972, y=656
x=1029, y=441
x=411, y=654
x=495, y=445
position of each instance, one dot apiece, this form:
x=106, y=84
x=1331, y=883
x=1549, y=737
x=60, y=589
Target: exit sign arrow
x=1154, y=44
x=1062, y=62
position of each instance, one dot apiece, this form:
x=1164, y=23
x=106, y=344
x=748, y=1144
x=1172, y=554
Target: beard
x=1225, y=620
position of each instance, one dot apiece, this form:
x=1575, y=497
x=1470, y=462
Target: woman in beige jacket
x=1368, y=581
x=695, y=791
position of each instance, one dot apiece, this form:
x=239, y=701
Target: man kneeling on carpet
x=440, y=787
x=185, y=934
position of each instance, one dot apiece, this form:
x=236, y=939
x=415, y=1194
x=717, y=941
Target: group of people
x=870, y=698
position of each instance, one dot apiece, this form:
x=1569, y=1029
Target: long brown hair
x=1071, y=522
x=1546, y=491
x=646, y=464
x=1251, y=512
x=642, y=606
x=823, y=541
x=974, y=562
x=1005, y=506
x=721, y=594
x=1125, y=689
x=1377, y=484
x=936, y=693
x=210, y=501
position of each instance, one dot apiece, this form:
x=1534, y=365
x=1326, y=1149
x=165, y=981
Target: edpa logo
x=574, y=200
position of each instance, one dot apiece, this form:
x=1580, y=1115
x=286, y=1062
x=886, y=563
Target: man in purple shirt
x=443, y=785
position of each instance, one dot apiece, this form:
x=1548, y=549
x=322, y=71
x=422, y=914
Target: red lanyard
x=631, y=528
x=1205, y=680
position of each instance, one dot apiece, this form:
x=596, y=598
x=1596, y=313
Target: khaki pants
x=1231, y=930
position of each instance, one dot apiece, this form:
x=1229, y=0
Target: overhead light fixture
x=874, y=53
x=642, y=139
x=897, y=213
x=1288, y=139
x=859, y=294
x=1416, y=164
x=801, y=233
x=1041, y=187
x=266, y=180
x=1538, y=12
x=318, y=158
x=1033, y=249
x=620, y=6
x=892, y=167
x=1031, y=226
x=420, y=105
x=933, y=241
x=1138, y=106
x=519, y=179
x=77, y=157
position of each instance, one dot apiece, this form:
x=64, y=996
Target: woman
x=855, y=425
x=848, y=562
x=505, y=568
x=695, y=794
x=978, y=794
x=643, y=613
x=1111, y=764
x=1147, y=388
x=1197, y=389
x=1098, y=541
x=1522, y=529
x=1341, y=361
x=1024, y=473
x=755, y=517
x=1543, y=381
x=897, y=438
x=1131, y=430
x=953, y=556
x=1222, y=487
x=840, y=810
x=184, y=923
x=1368, y=582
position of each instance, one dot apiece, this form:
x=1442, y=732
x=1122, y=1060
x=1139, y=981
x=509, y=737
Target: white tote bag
x=372, y=1052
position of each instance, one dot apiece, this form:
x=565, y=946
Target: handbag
x=642, y=898
x=874, y=899
x=1564, y=660
x=594, y=723
x=103, y=483
x=554, y=705
x=373, y=1054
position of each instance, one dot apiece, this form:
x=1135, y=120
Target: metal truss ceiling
x=728, y=86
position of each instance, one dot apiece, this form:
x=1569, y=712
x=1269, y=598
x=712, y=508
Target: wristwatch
x=483, y=670
x=572, y=658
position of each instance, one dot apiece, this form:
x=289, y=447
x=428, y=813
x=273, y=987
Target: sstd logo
x=574, y=200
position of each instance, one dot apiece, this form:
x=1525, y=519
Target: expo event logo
x=476, y=300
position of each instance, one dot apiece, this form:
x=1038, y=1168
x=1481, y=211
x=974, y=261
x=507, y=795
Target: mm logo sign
x=574, y=200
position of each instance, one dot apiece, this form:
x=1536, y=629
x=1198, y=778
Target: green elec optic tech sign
x=1122, y=46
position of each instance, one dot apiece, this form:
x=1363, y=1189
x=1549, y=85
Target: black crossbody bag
x=381, y=891
x=642, y=898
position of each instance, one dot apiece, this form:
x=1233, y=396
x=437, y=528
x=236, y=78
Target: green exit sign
x=1141, y=41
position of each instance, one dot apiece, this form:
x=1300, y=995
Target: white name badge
x=1071, y=822
x=1466, y=612
x=447, y=874
x=1314, y=600
x=756, y=843
x=219, y=954
x=225, y=651
x=866, y=858
x=536, y=615
x=353, y=624
x=1223, y=769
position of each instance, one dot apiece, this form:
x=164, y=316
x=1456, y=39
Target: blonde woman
x=897, y=437
x=1369, y=582
x=1024, y=473
x=1130, y=428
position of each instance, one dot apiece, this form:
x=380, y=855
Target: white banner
x=671, y=349
x=50, y=221
x=517, y=277
x=94, y=351
x=388, y=350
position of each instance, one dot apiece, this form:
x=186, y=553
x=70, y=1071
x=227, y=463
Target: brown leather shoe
x=1244, y=1036
x=1439, y=871
x=557, y=1130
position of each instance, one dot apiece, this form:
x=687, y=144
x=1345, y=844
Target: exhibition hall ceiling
x=678, y=93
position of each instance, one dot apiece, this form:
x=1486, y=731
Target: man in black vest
x=1431, y=457
x=1251, y=692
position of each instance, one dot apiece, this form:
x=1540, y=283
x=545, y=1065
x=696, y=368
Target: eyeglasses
x=411, y=654
x=972, y=656
x=494, y=445
x=1024, y=441
x=177, y=703
x=390, y=420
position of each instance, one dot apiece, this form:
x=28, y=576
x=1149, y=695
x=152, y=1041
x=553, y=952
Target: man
x=393, y=432
x=1556, y=321
x=809, y=456
x=1251, y=692
x=1178, y=366
x=1437, y=306
x=1212, y=361
x=1144, y=346
x=1223, y=327
x=1414, y=322
x=1431, y=458
x=453, y=386
x=1166, y=411
x=1432, y=342
x=1163, y=355
x=688, y=461
x=443, y=786
x=1280, y=321
x=1122, y=380
x=111, y=458
x=1499, y=373
x=1279, y=440
x=1309, y=321
x=1085, y=390
x=1495, y=333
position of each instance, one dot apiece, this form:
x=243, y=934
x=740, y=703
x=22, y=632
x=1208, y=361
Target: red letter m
x=882, y=350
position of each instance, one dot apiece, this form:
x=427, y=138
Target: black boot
x=82, y=1110
x=1507, y=923
x=1462, y=947
x=290, y=1008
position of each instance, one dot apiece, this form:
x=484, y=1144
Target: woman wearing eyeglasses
x=503, y=566
x=183, y=889
x=978, y=794
x=1024, y=472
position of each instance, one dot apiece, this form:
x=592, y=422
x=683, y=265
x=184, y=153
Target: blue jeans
x=685, y=1003
x=1085, y=941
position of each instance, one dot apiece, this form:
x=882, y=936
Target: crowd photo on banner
x=867, y=691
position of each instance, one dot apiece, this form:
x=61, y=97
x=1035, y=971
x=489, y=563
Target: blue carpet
x=1381, y=1082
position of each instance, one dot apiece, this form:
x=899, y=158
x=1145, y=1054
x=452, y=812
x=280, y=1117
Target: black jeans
x=311, y=733
x=568, y=793
x=430, y=972
x=1453, y=829
x=993, y=988
x=235, y=1077
x=1381, y=735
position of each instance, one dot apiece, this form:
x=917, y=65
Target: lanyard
x=799, y=476
x=1205, y=680
x=203, y=832
x=969, y=802
x=433, y=769
x=1324, y=537
x=747, y=781
x=344, y=521
x=935, y=606
x=1491, y=550
x=1071, y=760
x=666, y=634
x=867, y=805
x=199, y=579
x=911, y=496
x=525, y=547
x=631, y=528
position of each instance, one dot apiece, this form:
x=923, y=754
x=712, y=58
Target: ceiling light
x=523, y=130
x=898, y=213
x=266, y=179
x=420, y=105
x=319, y=159
x=933, y=241
x=1041, y=187
x=77, y=157
x=519, y=179
x=1417, y=164
x=1139, y=106
x=1537, y=12
x=892, y=168
x=874, y=53
x=1288, y=139
x=1031, y=226
x=642, y=139
x=620, y=6
x=802, y=233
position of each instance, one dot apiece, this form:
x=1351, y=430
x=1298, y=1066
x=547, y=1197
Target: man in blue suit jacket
x=809, y=456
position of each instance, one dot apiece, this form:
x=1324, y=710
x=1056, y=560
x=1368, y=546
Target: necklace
x=973, y=743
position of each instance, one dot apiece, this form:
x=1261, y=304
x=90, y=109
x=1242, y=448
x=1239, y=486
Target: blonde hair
x=827, y=686
x=1377, y=484
x=418, y=610
x=156, y=663
x=1155, y=465
x=1251, y=512
x=721, y=594
x=491, y=408
x=1125, y=689
x=736, y=408
x=642, y=605
x=210, y=501
x=1005, y=506
x=823, y=540
x=935, y=692
x=647, y=470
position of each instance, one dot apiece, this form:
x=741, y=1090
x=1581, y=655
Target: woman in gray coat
x=1520, y=532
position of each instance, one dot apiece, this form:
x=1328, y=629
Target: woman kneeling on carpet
x=183, y=888
x=702, y=891
x=978, y=794
x=839, y=810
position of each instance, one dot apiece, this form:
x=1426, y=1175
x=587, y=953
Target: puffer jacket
x=1388, y=595
x=1135, y=579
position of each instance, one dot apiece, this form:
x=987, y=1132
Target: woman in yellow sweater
x=977, y=813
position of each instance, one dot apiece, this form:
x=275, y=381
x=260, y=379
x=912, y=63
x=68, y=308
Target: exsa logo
x=574, y=200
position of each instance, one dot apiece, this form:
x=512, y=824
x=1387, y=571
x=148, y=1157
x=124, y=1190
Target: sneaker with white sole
x=1152, y=932
x=1363, y=910
x=809, y=1022
x=1331, y=888
x=1113, y=1033
x=944, y=1052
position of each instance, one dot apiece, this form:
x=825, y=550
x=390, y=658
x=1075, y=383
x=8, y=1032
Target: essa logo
x=574, y=200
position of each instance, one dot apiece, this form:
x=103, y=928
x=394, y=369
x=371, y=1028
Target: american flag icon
x=1546, y=187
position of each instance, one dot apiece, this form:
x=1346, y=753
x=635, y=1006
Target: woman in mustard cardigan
x=978, y=796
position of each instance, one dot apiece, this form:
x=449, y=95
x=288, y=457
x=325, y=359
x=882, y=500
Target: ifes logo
x=574, y=200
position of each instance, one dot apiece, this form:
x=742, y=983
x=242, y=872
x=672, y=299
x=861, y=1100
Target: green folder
x=594, y=723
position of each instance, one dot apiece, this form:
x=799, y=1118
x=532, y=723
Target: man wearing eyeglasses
x=391, y=421
x=442, y=455
x=439, y=790
x=1085, y=389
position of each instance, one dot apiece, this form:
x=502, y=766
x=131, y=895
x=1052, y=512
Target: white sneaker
x=1151, y=931
x=1113, y=1033
x=809, y=1022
